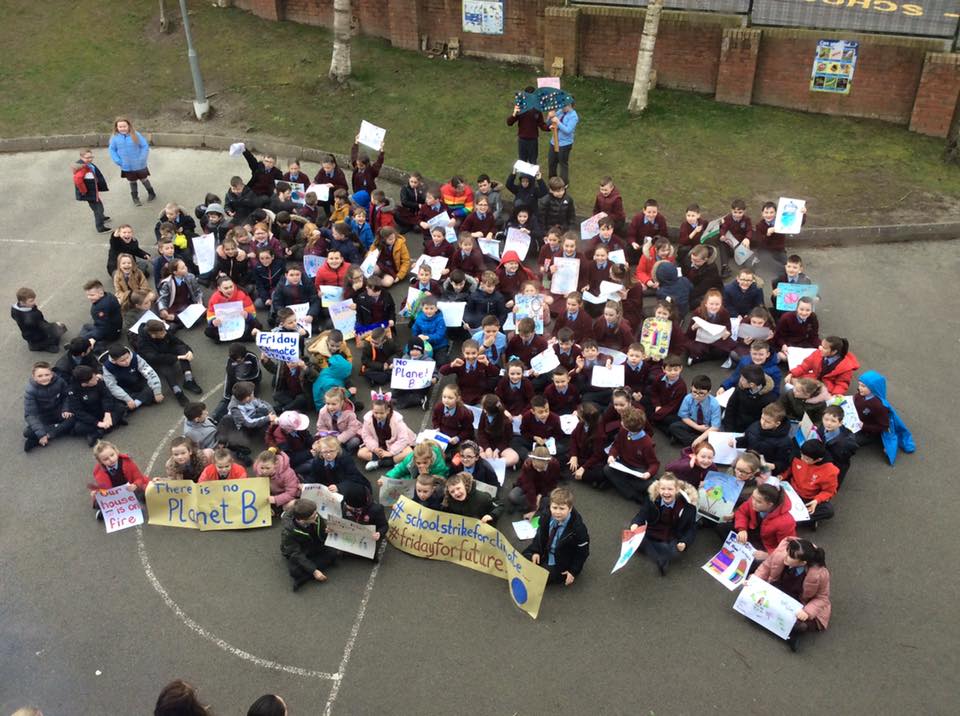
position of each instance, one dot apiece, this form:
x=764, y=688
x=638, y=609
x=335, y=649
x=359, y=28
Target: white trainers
x=727, y=364
x=372, y=465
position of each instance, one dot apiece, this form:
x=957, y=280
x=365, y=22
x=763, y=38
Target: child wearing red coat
x=764, y=520
x=832, y=364
x=814, y=479
x=116, y=469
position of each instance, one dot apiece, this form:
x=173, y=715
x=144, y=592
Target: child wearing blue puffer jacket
x=430, y=326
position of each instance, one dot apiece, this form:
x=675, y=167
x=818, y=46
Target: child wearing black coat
x=376, y=358
x=39, y=333
x=429, y=491
x=562, y=543
x=94, y=409
x=358, y=506
x=241, y=365
x=770, y=437
x=840, y=441
x=45, y=408
x=302, y=543
x=670, y=516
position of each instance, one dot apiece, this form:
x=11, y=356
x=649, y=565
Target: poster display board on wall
x=483, y=16
x=833, y=65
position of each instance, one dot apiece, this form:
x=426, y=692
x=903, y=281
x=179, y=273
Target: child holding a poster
x=223, y=467
x=814, y=478
x=767, y=238
x=228, y=292
x=375, y=307
x=606, y=238
x=764, y=520
x=799, y=328
x=178, y=290
x=562, y=543
x=799, y=569
x=711, y=311
x=302, y=543
x=633, y=449
x=393, y=259
x=187, y=460
x=115, y=469
x=832, y=363
x=792, y=273
x=496, y=431
x=451, y=417
x=376, y=357
x=513, y=390
x=538, y=477
x=387, y=441
x=416, y=349
x=284, y=483
x=429, y=491
x=358, y=506
x=670, y=515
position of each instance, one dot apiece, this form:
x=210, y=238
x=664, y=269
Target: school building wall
x=905, y=80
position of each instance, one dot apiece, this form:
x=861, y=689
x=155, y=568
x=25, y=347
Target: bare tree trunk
x=164, y=20
x=648, y=40
x=340, y=62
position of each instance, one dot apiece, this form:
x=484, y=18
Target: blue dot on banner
x=519, y=590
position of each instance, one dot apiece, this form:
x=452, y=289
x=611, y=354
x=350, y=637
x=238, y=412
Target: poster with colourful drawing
x=655, y=337
x=529, y=307
x=718, y=496
x=731, y=565
x=768, y=606
x=790, y=294
x=483, y=16
x=629, y=544
x=833, y=66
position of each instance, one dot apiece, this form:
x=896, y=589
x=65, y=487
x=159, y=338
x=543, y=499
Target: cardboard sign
x=411, y=374
x=347, y=536
x=280, y=346
x=120, y=508
x=216, y=505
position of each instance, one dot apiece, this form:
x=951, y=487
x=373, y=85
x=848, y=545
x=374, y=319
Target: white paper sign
x=789, y=216
x=328, y=503
x=322, y=191
x=312, y=264
x=723, y=453
x=442, y=220
x=522, y=167
x=566, y=277
x=436, y=263
x=392, y=487
x=629, y=544
x=607, y=377
x=300, y=311
x=499, y=466
x=477, y=415
x=232, y=319
x=548, y=82
x=617, y=465
x=344, y=317
x=731, y=565
x=490, y=247
x=280, y=346
x=735, y=322
x=329, y=295
x=545, y=362
x=237, y=149
x=798, y=510
x=755, y=332
x=851, y=419
x=518, y=241
x=204, y=252
x=148, y=315
x=708, y=332
x=524, y=529
x=796, y=355
x=591, y=227
x=369, y=264
x=371, y=135
x=411, y=374
x=351, y=537
x=452, y=313
x=742, y=255
x=618, y=357
x=120, y=508
x=618, y=257
x=568, y=423
x=189, y=315
x=766, y=605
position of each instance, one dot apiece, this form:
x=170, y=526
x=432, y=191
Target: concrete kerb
x=814, y=236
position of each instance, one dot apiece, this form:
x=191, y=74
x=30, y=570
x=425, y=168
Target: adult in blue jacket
x=129, y=150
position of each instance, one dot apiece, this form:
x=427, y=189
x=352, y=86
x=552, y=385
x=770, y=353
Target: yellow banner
x=218, y=505
x=427, y=533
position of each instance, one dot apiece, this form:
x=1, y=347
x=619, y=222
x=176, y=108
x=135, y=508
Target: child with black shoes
x=40, y=334
x=302, y=543
x=168, y=356
x=45, y=408
x=562, y=543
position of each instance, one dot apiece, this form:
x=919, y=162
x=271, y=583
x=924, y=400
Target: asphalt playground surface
x=92, y=623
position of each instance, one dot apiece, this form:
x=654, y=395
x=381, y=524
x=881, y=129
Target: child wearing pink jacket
x=386, y=438
x=338, y=418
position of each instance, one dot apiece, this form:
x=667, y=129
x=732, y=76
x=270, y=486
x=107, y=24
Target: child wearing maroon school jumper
x=539, y=476
x=587, y=445
x=560, y=394
x=437, y=245
x=432, y=206
x=694, y=463
x=473, y=372
x=451, y=417
x=467, y=257
x=596, y=270
x=611, y=418
x=871, y=410
x=768, y=239
x=480, y=223
x=637, y=372
x=514, y=391
x=495, y=431
x=425, y=281
x=538, y=425
x=611, y=330
x=800, y=328
x=691, y=231
x=739, y=225
x=575, y=318
x=792, y=273
x=609, y=201
x=550, y=250
x=606, y=238
x=567, y=351
x=646, y=224
x=525, y=343
x=710, y=310
x=664, y=396
x=364, y=177
x=633, y=448
x=511, y=273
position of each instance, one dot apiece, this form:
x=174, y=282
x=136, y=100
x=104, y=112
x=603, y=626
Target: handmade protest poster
x=790, y=294
x=321, y=191
x=593, y=298
x=618, y=256
x=119, y=508
x=329, y=295
x=392, y=487
x=796, y=355
x=279, y=346
x=205, y=253
x=724, y=397
x=529, y=307
x=369, y=263
x=611, y=377
x=851, y=419
x=411, y=374
x=548, y=82
x=347, y=536
x=618, y=357
x=805, y=430
x=798, y=509
x=328, y=503
x=567, y=275
x=189, y=315
x=766, y=605
x=742, y=255
x=298, y=193
x=591, y=227
x=237, y=149
x=499, y=466
x=343, y=314
x=442, y=220
x=725, y=455
x=148, y=315
x=312, y=264
x=718, y=496
x=629, y=543
x=731, y=565
x=712, y=231
x=611, y=290
x=568, y=423
x=761, y=333
x=735, y=322
x=789, y=216
x=411, y=305
x=300, y=310
x=629, y=470
x=708, y=332
x=655, y=337
x=522, y=167
x=430, y=534
x=518, y=241
x=483, y=16
x=490, y=247
x=436, y=263
x=452, y=313
x=216, y=505
x=525, y=529
x=233, y=320
x=371, y=135
x=545, y=362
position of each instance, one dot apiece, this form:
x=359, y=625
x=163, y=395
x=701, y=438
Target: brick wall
x=937, y=95
x=884, y=82
x=309, y=12
x=738, y=65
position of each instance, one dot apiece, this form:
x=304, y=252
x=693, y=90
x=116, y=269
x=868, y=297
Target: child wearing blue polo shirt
x=699, y=413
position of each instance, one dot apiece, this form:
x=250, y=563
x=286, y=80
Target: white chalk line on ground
x=40, y=242
x=222, y=643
